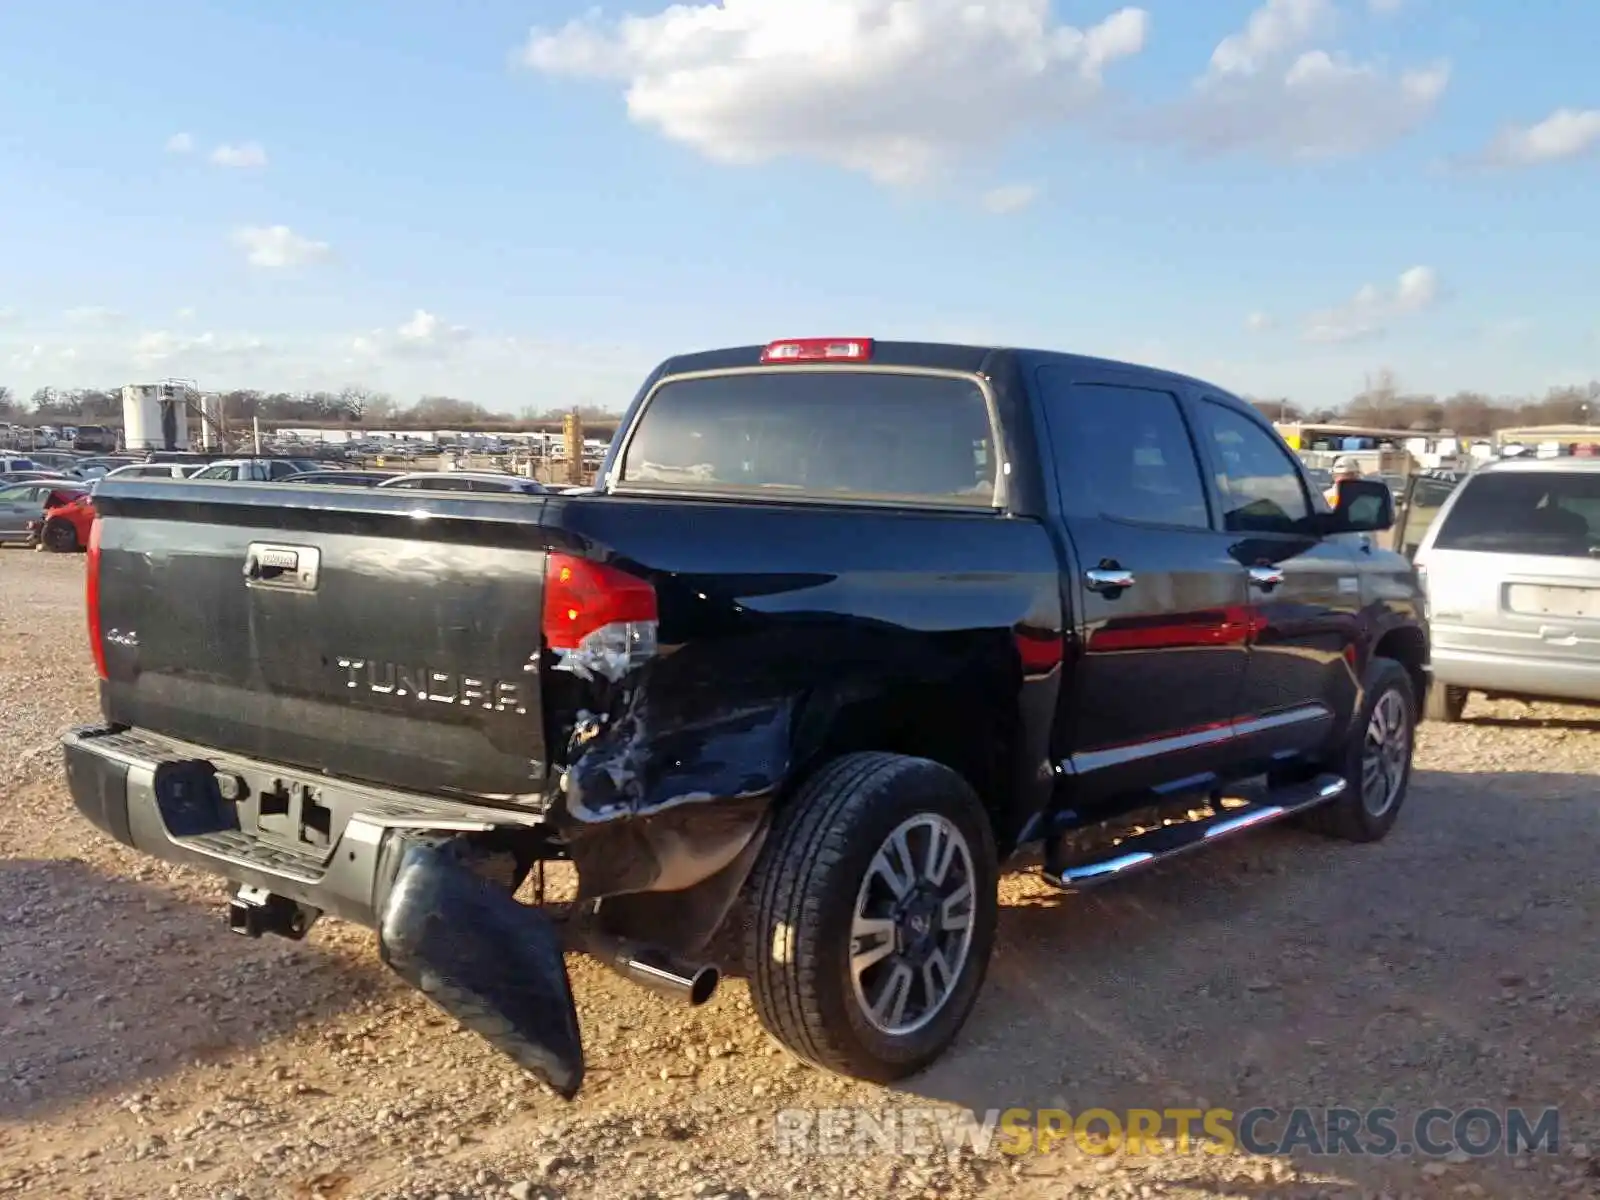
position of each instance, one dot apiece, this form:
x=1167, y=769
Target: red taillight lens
x=92, y=598
x=818, y=350
x=598, y=619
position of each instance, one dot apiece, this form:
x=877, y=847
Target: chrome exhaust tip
x=653, y=968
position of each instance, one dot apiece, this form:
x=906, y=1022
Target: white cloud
x=1269, y=89
x=1275, y=28
x=424, y=335
x=1258, y=322
x=245, y=155
x=1565, y=133
x=180, y=143
x=1369, y=312
x=895, y=90
x=278, y=246
x=1012, y=197
x=8, y=314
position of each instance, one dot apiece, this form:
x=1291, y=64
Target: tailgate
x=389, y=637
x=1533, y=606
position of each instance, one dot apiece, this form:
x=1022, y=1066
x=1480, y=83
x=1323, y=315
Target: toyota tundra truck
x=844, y=627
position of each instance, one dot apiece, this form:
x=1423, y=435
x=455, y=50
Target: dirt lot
x=146, y=1051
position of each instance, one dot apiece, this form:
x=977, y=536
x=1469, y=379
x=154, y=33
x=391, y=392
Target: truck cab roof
x=928, y=356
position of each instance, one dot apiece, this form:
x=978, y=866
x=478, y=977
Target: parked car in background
x=23, y=506
x=1511, y=569
x=30, y=476
x=57, y=460
x=341, y=478
x=259, y=470
x=67, y=519
x=94, y=468
x=465, y=481
x=96, y=439
x=14, y=462
x=152, y=471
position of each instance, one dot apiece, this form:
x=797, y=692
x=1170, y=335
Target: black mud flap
x=491, y=963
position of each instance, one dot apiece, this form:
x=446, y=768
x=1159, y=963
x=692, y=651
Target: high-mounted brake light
x=97, y=644
x=818, y=350
x=599, y=620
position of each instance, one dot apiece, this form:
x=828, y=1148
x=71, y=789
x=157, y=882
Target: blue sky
x=527, y=204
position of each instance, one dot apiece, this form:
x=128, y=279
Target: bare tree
x=353, y=401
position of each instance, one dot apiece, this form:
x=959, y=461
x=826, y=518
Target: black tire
x=59, y=537
x=804, y=892
x=1350, y=817
x=1445, y=703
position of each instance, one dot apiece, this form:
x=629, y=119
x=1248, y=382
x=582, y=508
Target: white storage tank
x=155, y=416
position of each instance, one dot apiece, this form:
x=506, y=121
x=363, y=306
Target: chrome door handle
x=1103, y=580
x=1266, y=577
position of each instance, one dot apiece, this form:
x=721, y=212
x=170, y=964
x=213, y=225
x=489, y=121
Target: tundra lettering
x=443, y=687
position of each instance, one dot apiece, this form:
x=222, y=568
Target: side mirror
x=1365, y=506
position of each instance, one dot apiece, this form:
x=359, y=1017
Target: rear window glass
x=1526, y=512
x=821, y=434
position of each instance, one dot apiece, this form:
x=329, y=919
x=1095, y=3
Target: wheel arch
x=1408, y=646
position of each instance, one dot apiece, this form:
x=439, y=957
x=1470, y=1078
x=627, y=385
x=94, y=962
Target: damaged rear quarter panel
x=790, y=634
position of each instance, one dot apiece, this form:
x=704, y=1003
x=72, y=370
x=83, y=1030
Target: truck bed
x=403, y=647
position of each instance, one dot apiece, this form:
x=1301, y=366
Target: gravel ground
x=145, y=1051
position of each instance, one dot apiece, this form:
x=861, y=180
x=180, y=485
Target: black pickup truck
x=844, y=627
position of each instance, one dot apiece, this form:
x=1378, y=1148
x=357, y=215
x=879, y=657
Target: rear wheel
x=60, y=537
x=1445, y=703
x=1376, y=760
x=874, y=909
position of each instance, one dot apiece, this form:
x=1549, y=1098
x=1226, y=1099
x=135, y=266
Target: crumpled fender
x=662, y=792
x=670, y=782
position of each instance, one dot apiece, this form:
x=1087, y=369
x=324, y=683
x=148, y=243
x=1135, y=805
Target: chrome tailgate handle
x=290, y=568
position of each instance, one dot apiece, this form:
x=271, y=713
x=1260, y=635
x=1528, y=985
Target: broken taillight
x=97, y=644
x=599, y=620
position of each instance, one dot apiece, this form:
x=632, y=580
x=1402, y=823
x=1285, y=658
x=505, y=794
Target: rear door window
x=824, y=434
x=1126, y=451
x=1526, y=512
